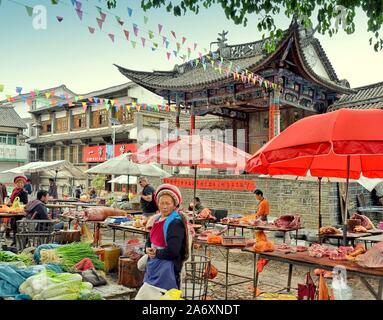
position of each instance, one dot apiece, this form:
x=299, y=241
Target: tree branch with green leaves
x=328, y=16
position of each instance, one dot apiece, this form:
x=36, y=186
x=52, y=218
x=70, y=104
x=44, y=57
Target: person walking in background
x=148, y=204
x=78, y=192
x=28, y=187
x=3, y=193
x=52, y=191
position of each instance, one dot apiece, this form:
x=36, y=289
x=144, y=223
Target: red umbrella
x=194, y=150
x=344, y=143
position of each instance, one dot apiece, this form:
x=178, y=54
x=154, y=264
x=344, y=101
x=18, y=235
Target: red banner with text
x=106, y=152
x=238, y=185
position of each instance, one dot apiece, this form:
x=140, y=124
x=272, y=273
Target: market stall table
x=265, y=228
x=303, y=259
x=351, y=236
x=226, y=285
x=372, y=239
x=125, y=228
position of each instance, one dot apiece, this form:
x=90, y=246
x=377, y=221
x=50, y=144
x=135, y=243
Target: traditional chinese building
x=307, y=84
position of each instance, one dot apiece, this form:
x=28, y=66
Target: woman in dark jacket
x=167, y=246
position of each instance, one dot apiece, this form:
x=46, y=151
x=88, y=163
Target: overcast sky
x=67, y=53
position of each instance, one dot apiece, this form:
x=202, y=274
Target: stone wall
x=285, y=197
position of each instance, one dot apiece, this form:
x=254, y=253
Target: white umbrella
x=61, y=167
x=123, y=179
x=123, y=165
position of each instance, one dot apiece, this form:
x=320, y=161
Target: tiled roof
x=249, y=56
x=81, y=134
x=10, y=118
x=366, y=97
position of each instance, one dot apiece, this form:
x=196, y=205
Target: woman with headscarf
x=18, y=192
x=167, y=246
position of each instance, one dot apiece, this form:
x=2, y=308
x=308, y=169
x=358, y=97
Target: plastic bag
x=172, y=294
x=307, y=290
x=211, y=271
x=323, y=293
x=339, y=284
x=149, y=292
x=87, y=235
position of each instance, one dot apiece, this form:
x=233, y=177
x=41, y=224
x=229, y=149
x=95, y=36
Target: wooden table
x=12, y=214
x=123, y=228
x=373, y=239
x=303, y=259
x=351, y=236
x=226, y=285
x=133, y=212
x=265, y=228
x=60, y=206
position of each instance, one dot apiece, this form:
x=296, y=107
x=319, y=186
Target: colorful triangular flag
x=151, y=34
x=143, y=41
x=159, y=28
x=47, y=94
x=29, y=102
x=163, y=40
x=134, y=43
x=1, y=87
x=167, y=44
x=146, y=19
x=59, y=19
x=99, y=22
x=19, y=89
x=135, y=29
x=91, y=29
x=96, y=100
x=174, y=34
x=168, y=54
x=183, y=40
x=130, y=11
x=175, y=53
x=84, y=106
x=29, y=10
x=195, y=46
x=79, y=13
x=111, y=36
x=126, y=32
x=103, y=16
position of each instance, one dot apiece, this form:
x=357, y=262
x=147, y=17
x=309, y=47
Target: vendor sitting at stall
x=37, y=210
x=263, y=208
x=198, y=206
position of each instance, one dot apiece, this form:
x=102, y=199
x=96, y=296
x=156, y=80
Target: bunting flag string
x=243, y=75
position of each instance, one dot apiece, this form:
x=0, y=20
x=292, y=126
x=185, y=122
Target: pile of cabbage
x=49, y=285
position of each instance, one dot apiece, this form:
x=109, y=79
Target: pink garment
x=157, y=237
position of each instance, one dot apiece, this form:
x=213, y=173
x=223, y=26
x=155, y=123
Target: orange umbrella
x=344, y=144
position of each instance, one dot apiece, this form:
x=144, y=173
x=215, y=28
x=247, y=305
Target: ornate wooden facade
x=299, y=65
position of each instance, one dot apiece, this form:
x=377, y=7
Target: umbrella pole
x=345, y=205
x=319, y=207
x=128, y=188
x=194, y=191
